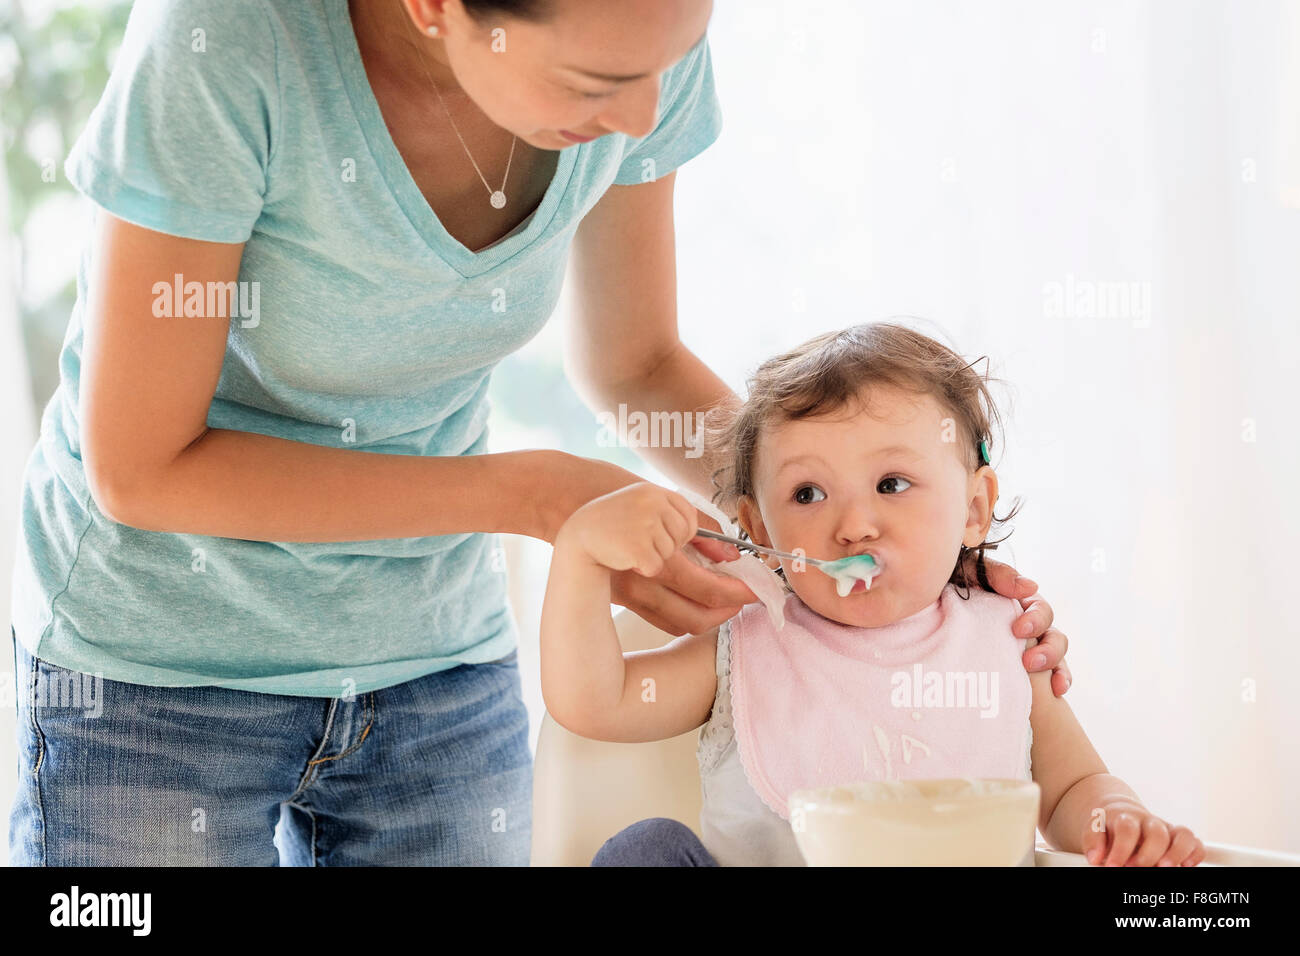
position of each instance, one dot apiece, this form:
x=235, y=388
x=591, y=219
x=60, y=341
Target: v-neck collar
x=398, y=176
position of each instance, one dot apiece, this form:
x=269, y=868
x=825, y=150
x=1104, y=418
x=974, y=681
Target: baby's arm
x=1085, y=809
x=589, y=685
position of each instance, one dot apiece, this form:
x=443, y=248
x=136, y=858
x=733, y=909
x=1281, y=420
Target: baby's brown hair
x=828, y=373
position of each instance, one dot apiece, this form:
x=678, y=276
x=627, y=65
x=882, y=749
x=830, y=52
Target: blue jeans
x=657, y=841
x=435, y=771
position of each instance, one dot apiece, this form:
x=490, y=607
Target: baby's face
x=891, y=483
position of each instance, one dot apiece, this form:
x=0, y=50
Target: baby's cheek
x=812, y=587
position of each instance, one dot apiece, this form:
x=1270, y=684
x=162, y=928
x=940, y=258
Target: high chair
x=585, y=791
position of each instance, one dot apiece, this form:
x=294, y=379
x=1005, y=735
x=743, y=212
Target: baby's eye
x=894, y=478
x=802, y=499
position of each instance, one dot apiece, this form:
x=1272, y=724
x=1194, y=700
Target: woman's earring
x=431, y=29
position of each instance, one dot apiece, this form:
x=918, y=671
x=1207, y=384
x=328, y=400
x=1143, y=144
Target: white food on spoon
x=849, y=571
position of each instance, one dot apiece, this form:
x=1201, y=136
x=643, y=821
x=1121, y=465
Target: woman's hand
x=1035, y=622
x=684, y=598
x=1137, y=837
x=681, y=596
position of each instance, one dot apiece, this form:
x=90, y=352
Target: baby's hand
x=1137, y=837
x=639, y=526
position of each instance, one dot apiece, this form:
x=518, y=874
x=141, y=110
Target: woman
x=262, y=508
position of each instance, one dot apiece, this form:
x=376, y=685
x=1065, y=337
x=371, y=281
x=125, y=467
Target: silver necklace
x=496, y=197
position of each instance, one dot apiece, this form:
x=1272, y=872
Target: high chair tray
x=1216, y=854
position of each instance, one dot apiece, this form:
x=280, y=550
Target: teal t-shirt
x=371, y=329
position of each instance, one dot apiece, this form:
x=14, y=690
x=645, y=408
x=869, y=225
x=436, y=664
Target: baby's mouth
x=852, y=573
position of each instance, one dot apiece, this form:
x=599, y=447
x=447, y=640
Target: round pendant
x=498, y=199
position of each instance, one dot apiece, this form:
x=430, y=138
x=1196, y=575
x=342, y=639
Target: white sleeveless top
x=736, y=826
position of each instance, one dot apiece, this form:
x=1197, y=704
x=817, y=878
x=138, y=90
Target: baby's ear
x=745, y=513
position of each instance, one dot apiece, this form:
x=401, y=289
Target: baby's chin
x=874, y=607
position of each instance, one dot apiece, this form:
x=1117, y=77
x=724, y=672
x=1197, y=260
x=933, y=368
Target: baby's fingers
x=677, y=520
x=651, y=565
x=1155, y=841
x=1125, y=829
x=1094, y=845
x=690, y=515
x=663, y=547
x=1184, y=849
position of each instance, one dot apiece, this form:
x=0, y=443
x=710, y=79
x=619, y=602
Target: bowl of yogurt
x=943, y=822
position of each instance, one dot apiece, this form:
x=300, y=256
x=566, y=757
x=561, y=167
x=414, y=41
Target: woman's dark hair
x=535, y=11
x=835, y=370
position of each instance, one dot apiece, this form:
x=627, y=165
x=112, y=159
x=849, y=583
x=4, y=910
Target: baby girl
x=874, y=440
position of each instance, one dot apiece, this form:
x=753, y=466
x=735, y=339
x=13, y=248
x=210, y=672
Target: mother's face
x=538, y=79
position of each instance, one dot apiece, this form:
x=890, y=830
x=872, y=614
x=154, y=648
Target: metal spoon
x=835, y=569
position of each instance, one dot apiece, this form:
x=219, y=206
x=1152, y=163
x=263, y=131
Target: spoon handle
x=705, y=533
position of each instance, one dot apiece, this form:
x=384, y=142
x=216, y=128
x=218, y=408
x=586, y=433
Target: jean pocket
x=60, y=694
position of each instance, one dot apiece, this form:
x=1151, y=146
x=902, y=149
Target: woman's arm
x=151, y=461
x=623, y=346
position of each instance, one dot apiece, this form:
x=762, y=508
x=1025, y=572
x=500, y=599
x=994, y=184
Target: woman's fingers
x=711, y=547
x=704, y=585
x=714, y=549
x=666, y=608
x=1010, y=583
x=1061, y=679
x=1037, y=618
x=1048, y=652
x=684, y=597
x=1005, y=579
x=1036, y=621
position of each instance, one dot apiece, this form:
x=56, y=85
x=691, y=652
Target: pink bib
x=942, y=693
